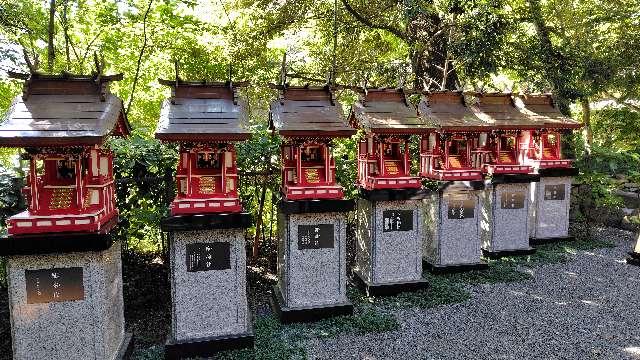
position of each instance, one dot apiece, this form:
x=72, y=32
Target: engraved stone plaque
x=554, y=192
x=397, y=220
x=208, y=256
x=461, y=208
x=54, y=285
x=512, y=200
x=315, y=236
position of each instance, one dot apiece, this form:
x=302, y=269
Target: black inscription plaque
x=512, y=200
x=209, y=256
x=54, y=285
x=554, y=192
x=397, y=220
x=461, y=208
x=315, y=236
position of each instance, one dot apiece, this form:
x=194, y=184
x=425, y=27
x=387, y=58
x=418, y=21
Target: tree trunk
x=51, y=53
x=256, y=239
x=66, y=34
x=586, y=121
x=429, y=53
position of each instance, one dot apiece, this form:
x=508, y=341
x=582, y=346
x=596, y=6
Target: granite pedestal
x=451, y=239
x=504, y=224
x=634, y=256
x=311, y=260
x=209, y=307
x=389, y=241
x=66, y=305
x=550, y=203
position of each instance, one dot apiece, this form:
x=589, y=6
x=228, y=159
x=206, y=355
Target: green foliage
x=11, y=200
x=443, y=290
x=617, y=129
x=277, y=341
x=144, y=187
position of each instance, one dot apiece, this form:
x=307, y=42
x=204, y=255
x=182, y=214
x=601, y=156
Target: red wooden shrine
x=508, y=139
x=206, y=119
x=388, y=120
x=544, y=144
x=307, y=119
x=62, y=122
x=455, y=146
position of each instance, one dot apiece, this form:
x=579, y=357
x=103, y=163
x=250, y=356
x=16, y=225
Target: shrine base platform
x=312, y=273
x=504, y=253
x=68, y=305
x=452, y=269
x=390, y=288
x=504, y=220
x=209, y=346
x=550, y=202
x=389, y=240
x=537, y=242
x=209, y=306
x=288, y=315
x=452, y=226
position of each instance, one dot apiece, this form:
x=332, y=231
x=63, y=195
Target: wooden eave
x=542, y=109
x=202, y=119
x=447, y=111
x=388, y=114
x=63, y=120
x=306, y=112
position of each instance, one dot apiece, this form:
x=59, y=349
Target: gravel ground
x=588, y=308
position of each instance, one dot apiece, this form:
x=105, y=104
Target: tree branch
x=367, y=22
x=51, y=52
x=623, y=101
x=142, y=49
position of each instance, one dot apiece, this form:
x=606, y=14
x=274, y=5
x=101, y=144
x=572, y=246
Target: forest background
x=585, y=52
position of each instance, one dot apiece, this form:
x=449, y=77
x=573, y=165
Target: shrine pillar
x=389, y=227
x=312, y=252
x=550, y=202
x=451, y=241
x=504, y=220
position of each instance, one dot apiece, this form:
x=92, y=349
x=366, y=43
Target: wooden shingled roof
x=498, y=111
x=542, y=109
x=308, y=112
x=63, y=110
x=203, y=111
x=446, y=110
x=386, y=111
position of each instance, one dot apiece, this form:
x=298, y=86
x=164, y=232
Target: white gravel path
x=588, y=308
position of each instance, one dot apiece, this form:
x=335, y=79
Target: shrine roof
x=202, y=111
x=446, y=110
x=386, y=111
x=504, y=111
x=308, y=112
x=542, y=110
x=63, y=110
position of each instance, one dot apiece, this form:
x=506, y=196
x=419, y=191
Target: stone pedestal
x=209, y=307
x=389, y=230
x=452, y=228
x=66, y=305
x=311, y=260
x=550, y=203
x=504, y=223
x=634, y=256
